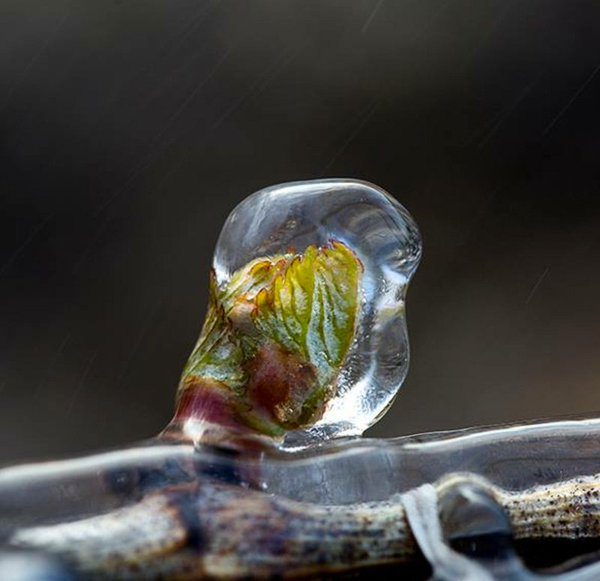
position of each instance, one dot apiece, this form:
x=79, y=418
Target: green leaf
x=278, y=333
x=311, y=306
x=217, y=354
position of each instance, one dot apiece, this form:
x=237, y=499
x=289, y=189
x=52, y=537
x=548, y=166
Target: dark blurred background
x=130, y=129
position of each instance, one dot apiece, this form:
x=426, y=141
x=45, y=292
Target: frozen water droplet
x=305, y=337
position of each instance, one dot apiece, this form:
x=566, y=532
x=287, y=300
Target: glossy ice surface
x=304, y=343
x=331, y=260
x=497, y=495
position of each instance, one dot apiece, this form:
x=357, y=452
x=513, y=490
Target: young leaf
x=278, y=334
x=311, y=307
x=217, y=354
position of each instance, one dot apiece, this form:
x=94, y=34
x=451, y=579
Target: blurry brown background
x=129, y=130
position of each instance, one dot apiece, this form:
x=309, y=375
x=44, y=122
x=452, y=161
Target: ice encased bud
x=288, y=219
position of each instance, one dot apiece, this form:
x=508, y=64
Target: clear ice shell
x=384, y=237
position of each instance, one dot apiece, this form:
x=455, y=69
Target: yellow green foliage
x=278, y=333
